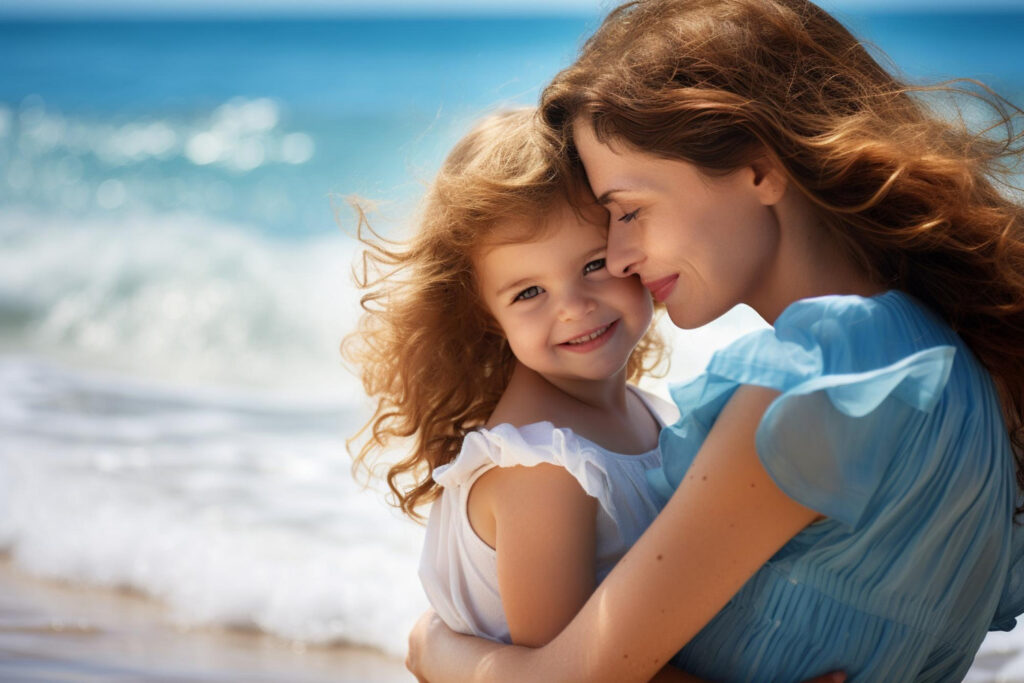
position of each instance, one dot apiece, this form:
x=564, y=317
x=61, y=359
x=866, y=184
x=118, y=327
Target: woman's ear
x=769, y=180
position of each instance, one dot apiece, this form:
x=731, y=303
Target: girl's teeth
x=591, y=336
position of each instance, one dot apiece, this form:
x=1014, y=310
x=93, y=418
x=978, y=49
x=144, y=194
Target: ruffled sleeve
x=829, y=437
x=534, y=444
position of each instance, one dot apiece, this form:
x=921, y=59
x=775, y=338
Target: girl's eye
x=527, y=293
x=596, y=264
x=628, y=218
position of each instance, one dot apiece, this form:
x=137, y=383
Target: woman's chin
x=687, y=318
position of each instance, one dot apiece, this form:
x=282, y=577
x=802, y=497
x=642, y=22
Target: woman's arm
x=726, y=519
x=430, y=629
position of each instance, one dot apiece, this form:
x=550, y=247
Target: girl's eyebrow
x=522, y=282
x=515, y=285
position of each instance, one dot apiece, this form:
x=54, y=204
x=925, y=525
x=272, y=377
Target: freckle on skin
x=753, y=486
x=659, y=558
x=704, y=478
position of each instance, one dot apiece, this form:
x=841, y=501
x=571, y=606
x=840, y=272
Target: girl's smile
x=591, y=340
x=563, y=313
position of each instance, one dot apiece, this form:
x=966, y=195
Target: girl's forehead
x=561, y=220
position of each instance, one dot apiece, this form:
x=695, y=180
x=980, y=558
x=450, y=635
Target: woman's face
x=701, y=244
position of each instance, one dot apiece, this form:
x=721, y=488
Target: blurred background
x=175, y=259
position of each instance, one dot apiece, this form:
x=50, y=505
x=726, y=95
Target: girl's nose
x=575, y=305
x=624, y=253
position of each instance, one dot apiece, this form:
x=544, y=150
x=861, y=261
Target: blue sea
x=175, y=258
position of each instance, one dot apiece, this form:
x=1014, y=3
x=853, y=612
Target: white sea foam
x=232, y=509
x=177, y=296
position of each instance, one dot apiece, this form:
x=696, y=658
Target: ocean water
x=175, y=254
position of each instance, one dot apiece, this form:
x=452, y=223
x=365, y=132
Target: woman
x=844, y=484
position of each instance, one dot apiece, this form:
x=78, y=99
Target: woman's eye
x=596, y=264
x=527, y=293
x=628, y=218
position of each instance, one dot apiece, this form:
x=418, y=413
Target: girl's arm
x=543, y=527
x=726, y=519
x=544, y=533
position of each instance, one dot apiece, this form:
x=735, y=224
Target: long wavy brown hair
x=426, y=347
x=922, y=202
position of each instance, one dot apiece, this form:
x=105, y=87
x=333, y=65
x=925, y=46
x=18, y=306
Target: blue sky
x=257, y=7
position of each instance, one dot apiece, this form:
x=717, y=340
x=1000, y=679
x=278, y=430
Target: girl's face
x=563, y=313
x=700, y=244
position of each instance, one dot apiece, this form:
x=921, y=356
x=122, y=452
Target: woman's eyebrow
x=633, y=186
x=606, y=198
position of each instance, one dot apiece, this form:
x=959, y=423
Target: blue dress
x=889, y=427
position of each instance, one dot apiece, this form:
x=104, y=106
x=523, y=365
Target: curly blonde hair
x=426, y=347
x=923, y=203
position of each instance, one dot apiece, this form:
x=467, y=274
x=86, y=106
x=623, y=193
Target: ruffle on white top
x=537, y=444
x=459, y=571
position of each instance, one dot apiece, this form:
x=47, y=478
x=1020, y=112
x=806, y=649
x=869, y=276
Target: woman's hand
x=418, y=639
x=439, y=654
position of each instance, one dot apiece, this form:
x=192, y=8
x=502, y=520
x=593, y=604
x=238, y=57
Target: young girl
x=842, y=487
x=498, y=340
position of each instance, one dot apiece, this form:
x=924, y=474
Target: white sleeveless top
x=459, y=570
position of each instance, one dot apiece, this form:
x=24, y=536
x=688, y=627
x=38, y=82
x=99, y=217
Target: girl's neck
x=606, y=395
x=603, y=411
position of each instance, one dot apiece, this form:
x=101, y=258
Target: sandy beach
x=50, y=631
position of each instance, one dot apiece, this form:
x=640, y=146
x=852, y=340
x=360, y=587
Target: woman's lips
x=660, y=289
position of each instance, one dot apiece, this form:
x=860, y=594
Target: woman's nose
x=624, y=253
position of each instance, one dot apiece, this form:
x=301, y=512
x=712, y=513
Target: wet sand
x=50, y=631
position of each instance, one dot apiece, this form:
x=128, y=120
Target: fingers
x=417, y=644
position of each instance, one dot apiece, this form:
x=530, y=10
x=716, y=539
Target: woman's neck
x=809, y=262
